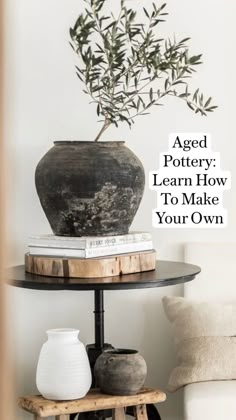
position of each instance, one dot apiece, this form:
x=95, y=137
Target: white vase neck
x=63, y=334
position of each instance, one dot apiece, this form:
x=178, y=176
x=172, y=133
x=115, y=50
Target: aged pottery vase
x=63, y=371
x=90, y=188
x=120, y=372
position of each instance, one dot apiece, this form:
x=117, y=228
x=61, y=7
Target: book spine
x=118, y=240
x=91, y=253
x=118, y=249
x=56, y=252
x=88, y=243
x=53, y=243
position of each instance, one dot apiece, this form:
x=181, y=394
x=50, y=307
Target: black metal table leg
x=94, y=350
x=99, y=318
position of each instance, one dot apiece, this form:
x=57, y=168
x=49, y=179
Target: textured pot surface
x=63, y=371
x=90, y=188
x=120, y=372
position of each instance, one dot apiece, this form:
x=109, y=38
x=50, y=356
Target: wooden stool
x=93, y=401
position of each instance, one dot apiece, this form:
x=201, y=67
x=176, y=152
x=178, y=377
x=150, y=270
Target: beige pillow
x=205, y=335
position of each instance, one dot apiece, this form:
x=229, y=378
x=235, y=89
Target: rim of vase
x=71, y=142
x=58, y=331
x=121, y=352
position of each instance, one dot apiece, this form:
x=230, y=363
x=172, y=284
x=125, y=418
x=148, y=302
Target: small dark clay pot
x=90, y=188
x=120, y=372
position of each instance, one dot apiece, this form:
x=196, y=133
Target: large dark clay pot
x=89, y=188
x=120, y=372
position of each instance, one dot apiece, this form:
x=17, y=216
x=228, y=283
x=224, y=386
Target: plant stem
x=104, y=128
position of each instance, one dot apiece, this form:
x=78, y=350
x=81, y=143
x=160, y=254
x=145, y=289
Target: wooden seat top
x=93, y=401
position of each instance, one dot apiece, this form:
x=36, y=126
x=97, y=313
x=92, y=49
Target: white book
x=87, y=242
x=91, y=252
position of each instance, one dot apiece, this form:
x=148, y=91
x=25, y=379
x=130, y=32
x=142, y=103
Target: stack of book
x=89, y=246
x=89, y=257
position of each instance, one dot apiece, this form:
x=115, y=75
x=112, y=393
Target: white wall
x=45, y=103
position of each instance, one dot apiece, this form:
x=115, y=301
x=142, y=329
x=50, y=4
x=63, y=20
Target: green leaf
x=155, y=23
x=109, y=26
x=97, y=88
x=190, y=106
x=195, y=95
x=179, y=82
x=207, y=102
x=72, y=46
x=151, y=94
x=195, y=59
x=80, y=78
x=166, y=84
x=211, y=108
x=72, y=33
x=184, y=40
x=138, y=104
x=104, y=18
x=99, y=47
x=142, y=101
x=162, y=6
x=146, y=13
x=123, y=118
x=150, y=104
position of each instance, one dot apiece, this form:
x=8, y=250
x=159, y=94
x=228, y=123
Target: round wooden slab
x=91, y=267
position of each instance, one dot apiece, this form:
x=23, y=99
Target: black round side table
x=167, y=273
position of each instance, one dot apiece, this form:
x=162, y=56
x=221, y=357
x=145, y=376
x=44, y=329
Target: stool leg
x=140, y=412
x=118, y=413
x=38, y=418
x=63, y=417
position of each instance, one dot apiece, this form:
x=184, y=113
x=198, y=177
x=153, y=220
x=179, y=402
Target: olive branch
x=127, y=68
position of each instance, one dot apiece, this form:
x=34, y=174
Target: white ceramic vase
x=63, y=371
